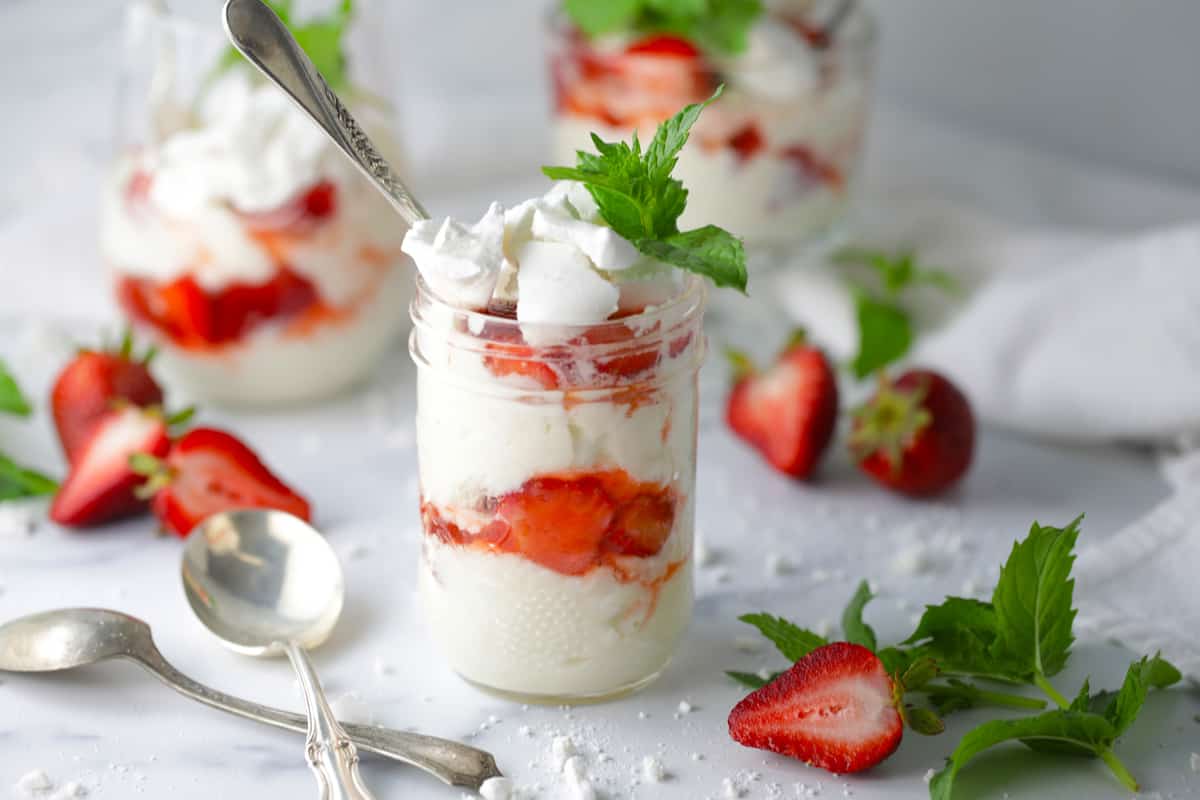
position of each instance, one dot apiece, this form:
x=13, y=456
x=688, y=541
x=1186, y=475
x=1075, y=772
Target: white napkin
x=1059, y=334
x=1139, y=586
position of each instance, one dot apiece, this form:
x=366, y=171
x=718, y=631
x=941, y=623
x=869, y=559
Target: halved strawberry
x=916, y=435
x=558, y=523
x=91, y=383
x=836, y=708
x=789, y=412
x=208, y=471
x=101, y=484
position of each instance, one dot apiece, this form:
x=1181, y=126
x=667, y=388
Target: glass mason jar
x=557, y=470
x=775, y=160
x=238, y=239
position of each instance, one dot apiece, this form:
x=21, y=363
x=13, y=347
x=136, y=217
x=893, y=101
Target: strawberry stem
x=741, y=363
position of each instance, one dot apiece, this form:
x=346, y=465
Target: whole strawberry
x=916, y=435
x=208, y=471
x=89, y=386
x=788, y=412
x=837, y=708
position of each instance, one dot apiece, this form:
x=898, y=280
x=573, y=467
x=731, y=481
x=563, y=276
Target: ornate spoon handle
x=331, y=755
x=452, y=762
x=261, y=37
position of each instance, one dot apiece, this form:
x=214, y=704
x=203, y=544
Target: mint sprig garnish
x=321, y=38
x=640, y=200
x=1022, y=637
x=718, y=26
x=885, y=326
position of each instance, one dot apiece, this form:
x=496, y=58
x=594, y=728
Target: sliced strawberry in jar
x=664, y=45
x=558, y=523
x=747, y=142
x=642, y=526
x=621, y=356
x=813, y=168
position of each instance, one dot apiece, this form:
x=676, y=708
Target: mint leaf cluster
x=321, y=38
x=17, y=482
x=640, y=200
x=718, y=26
x=1022, y=636
x=885, y=327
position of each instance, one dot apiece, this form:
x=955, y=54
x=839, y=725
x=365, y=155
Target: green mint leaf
x=791, y=640
x=17, y=482
x=954, y=614
x=1083, y=700
x=726, y=28
x=896, y=272
x=1033, y=601
x=662, y=154
x=855, y=630
x=885, y=334
x=639, y=200
x=1142, y=676
x=12, y=401
x=961, y=634
x=709, y=251
x=1089, y=732
x=717, y=26
x=751, y=679
x=959, y=695
x=595, y=17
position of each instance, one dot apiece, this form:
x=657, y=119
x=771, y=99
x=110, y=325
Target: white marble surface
x=123, y=736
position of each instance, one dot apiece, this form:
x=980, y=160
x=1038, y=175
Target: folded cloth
x=1060, y=335
x=1139, y=586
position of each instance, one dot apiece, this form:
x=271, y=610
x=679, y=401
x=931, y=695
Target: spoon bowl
x=259, y=578
x=57, y=640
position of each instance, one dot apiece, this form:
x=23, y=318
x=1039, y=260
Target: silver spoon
x=259, y=35
x=266, y=583
x=68, y=638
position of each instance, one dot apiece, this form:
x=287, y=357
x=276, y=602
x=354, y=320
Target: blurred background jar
x=265, y=269
x=775, y=160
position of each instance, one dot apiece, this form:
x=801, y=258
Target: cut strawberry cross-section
x=559, y=523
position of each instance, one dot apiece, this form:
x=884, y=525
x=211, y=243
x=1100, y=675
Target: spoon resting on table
x=64, y=639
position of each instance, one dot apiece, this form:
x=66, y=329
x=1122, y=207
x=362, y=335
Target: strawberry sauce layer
x=570, y=523
x=195, y=318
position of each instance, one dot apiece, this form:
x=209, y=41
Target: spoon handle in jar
x=330, y=753
x=258, y=34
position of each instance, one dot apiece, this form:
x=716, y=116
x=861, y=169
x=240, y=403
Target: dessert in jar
x=238, y=238
x=776, y=160
x=556, y=429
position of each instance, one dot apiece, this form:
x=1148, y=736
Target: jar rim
x=859, y=35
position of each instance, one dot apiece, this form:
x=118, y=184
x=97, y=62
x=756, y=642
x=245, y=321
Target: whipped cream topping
x=552, y=255
x=249, y=147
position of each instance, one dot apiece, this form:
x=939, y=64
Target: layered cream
x=774, y=161
x=247, y=247
x=556, y=432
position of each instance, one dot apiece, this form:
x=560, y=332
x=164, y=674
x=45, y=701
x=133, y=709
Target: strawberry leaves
x=853, y=627
x=789, y=639
x=640, y=200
